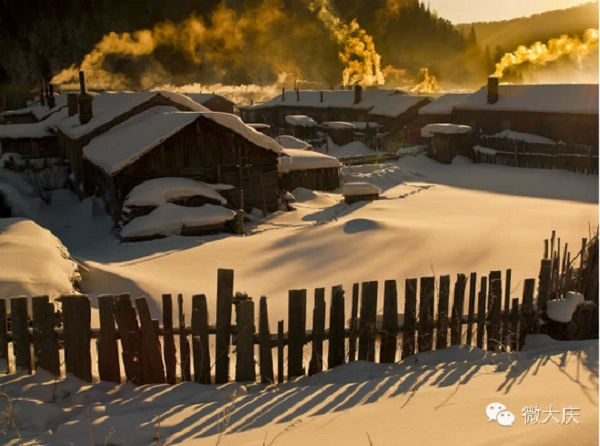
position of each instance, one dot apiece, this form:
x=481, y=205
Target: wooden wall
x=48, y=147
x=315, y=179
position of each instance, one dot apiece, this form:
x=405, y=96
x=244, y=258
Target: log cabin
x=442, y=109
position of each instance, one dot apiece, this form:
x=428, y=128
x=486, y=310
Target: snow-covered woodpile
x=360, y=191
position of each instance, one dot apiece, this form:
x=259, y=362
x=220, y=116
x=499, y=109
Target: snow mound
x=448, y=129
x=300, y=121
x=306, y=160
x=562, y=310
x=359, y=225
x=34, y=262
x=462, y=161
x=525, y=137
x=360, y=188
x=339, y=125
x=162, y=190
x=289, y=142
x=484, y=150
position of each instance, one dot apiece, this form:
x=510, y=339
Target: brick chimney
x=282, y=94
x=493, y=94
x=357, y=94
x=72, y=105
x=85, y=102
x=297, y=95
x=51, y=98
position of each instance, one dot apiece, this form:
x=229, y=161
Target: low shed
x=310, y=170
x=447, y=141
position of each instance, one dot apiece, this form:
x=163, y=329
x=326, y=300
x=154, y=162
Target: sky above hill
x=466, y=11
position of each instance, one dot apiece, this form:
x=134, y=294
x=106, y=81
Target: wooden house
x=308, y=169
x=561, y=112
x=214, y=102
x=36, y=111
x=442, y=109
x=160, y=142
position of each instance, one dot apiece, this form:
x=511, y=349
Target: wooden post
x=544, y=284
x=514, y=321
x=494, y=307
x=155, y=373
x=4, y=359
x=280, y=347
x=410, y=318
x=319, y=311
x=45, y=344
x=526, y=323
x=389, y=331
x=241, y=212
x=367, y=323
x=170, y=353
x=481, y=312
x=506, y=315
x=471, y=315
x=266, y=347
x=77, y=315
x=244, y=316
x=458, y=309
x=546, y=248
x=352, y=340
x=297, y=332
x=442, y=319
x=337, y=337
x=426, y=323
x=200, y=342
x=129, y=333
x=262, y=195
x=224, y=299
x=184, y=345
x=109, y=367
x=20, y=333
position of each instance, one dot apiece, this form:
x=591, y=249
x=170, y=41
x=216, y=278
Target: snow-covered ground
x=437, y=397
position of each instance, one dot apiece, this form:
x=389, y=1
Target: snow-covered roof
x=390, y=103
x=203, y=98
x=34, y=130
x=549, y=98
x=162, y=190
x=339, y=125
x=527, y=137
x=431, y=129
x=300, y=121
x=40, y=112
x=305, y=160
x=358, y=188
x=290, y=142
x=444, y=104
x=108, y=106
x=259, y=126
x=127, y=142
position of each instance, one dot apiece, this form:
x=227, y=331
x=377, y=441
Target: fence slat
x=296, y=332
x=506, y=315
x=352, y=340
x=442, y=318
x=337, y=338
x=367, y=323
x=319, y=311
x=224, y=299
x=266, y=347
x=45, y=344
x=155, y=371
x=109, y=367
x=389, y=330
x=185, y=360
x=544, y=284
x=426, y=323
x=129, y=333
x=4, y=359
x=410, y=317
x=244, y=317
x=20, y=333
x=458, y=309
x=280, y=351
x=494, y=307
x=77, y=316
x=514, y=322
x=526, y=322
x=169, y=350
x=200, y=342
x=481, y=312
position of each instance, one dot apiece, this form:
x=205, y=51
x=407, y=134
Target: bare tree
x=45, y=181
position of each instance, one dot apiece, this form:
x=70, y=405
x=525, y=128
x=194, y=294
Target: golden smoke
x=428, y=83
x=541, y=53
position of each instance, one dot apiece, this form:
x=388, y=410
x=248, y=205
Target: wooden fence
x=473, y=310
x=506, y=152
x=360, y=160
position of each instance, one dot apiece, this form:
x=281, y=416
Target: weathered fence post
x=442, y=318
x=410, y=318
x=129, y=333
x=494, y=307
x=367, y=322
x=224, y=299
x=544, y=283
x=155, y=371
x=296, y=332
x=280, y=351
x=244, y=317
x=20, y=333
x=458, y=309
x=77, y=315
x=352, y=340
x=45, y=344
x=481, y=312
x=337, y=337
x=4, y=360
x=514, y=322
x=389, y=329
x=200, y=339
x=426, y=323
x=169, y=351
x=319, y=311
x=266, y=346
x=506, y=315
x=527, y=315
x=185, y=360
x=108, y=350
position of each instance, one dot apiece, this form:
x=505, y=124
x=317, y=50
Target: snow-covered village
x=293, y=222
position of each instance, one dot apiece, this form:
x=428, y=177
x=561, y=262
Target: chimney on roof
x=357, y=94
x=51, y=98
x=84, y=102
x=321, y=96
x=297, y=95
x=42, y=94
x=493, y=93
x=282, y=94
x=72, y=105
